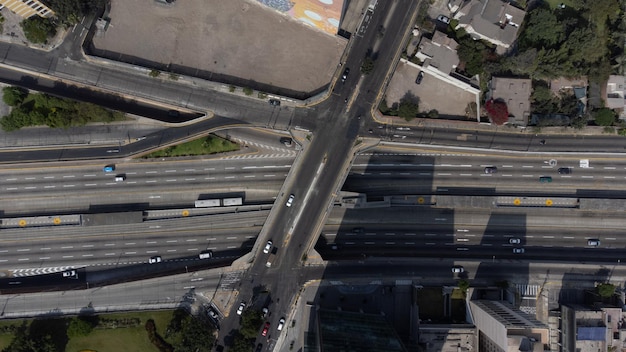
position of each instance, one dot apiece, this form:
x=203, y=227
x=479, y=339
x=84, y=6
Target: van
x=206, y=255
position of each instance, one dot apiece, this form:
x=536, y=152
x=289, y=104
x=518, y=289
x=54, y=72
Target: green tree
x=368, y=65
x=154, y=73
x=541, y=30
x=79, y=327
x=604, y=116
x=463, y=285
x=37, y=30
x=473, y=53
x=13, y=96
x=605, y=290
x=542, y=100
x=69, y=12
x=408, y=109
x=251, y=321
x=189, y=334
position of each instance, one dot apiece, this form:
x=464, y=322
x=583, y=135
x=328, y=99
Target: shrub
x=604, y=116
x=497, y=111
x=13, y=96
x=38, y=29
x=248, y=91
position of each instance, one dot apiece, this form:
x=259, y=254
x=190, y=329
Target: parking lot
x=432, y=93
x=235, y=38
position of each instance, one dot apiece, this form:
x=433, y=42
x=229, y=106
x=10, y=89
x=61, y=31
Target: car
x=358, y=230
x=265, y=311
x=265, y=329
x=274, y=102
x=70, y=273
x=290, y=200
x=443, y=19
x=259, y=348
x=109, y=168
x=286, y=141
x=281, y=324
x=206, y=255
x=594, y=242
x=173, y=113
x=491, y=170
x=518, y=250
x=268, y=247
x=545, y=179
x=242, y=306
x=514, y=240
x=419, y=78
x=155, y=259
x=212, y=313
x=345, y=74
x=457, y=269
x=565, y=170
x=120, y=178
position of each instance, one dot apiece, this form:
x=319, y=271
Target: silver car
x=290, y=200
x=515, y=240
x=518, y=250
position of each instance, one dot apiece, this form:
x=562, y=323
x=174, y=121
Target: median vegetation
x=38, y=109
x=202, y=146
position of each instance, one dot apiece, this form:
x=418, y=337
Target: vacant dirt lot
x=432, y=93
x=236, y=38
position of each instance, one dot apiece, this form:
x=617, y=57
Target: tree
x=604, y=116
x=38, y=29
x=542, y=101
x=368, y=65
x=408, y=109
x=605, y=290
x=69, y=12
x=497, y=111
x=541, y=30
x=13, y=96
x=251, y=321
x=189, y=334
x=472, y=52
x=79, y=327
x=463, y=285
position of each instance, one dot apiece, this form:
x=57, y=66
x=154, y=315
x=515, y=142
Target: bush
x=408, y=109
x=606, y=290
x=13, y=96
x=497, y=111
x=79, y=327
x=154, y=73
x=248, y=91
x=37, y=29
x=604, y=116
x=368, y=65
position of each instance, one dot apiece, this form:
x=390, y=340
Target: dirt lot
x=432, y=93
x=236, y=38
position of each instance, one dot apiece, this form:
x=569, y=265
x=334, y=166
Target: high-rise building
x=27, y=8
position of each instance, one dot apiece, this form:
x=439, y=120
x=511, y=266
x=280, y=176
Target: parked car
x=281, y=324
x=594, y=242
x=457, y=269
x=443, y=19
x=242, y=306
x=514, y=240
x=345, y=74
x=155, y=259
x=518, y=250
x=275, y=102
x=212, y=313
x=265, y=329
x=70, y=273
x=268, y=247
x=491, y=170
x=419, y=78
x=265, y=311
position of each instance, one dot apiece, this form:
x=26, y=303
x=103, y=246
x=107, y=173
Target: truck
x=271, y=257
x=207, y=203
x=229, y=202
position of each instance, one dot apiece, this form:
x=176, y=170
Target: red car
x=265, y=329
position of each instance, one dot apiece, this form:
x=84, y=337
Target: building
x=616, y=92
x=503, y=328
x=27, y=8
x=439, y=52
x=448, y=337
x=592, y=328
x=495, y=21
x=515, y=92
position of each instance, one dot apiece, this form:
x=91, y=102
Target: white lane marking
x=189, y=170
x=151, y=181
x=568, y=237
x=211, y=168
x=11, y=179
x=170, y=170
x=443, y=174
x=151, y=172
x=527, y=176
x=507, y=175
x=31, y=187
x=609, y=176
x=249, y=176
x=29, y=178
x=69, y=176
x=507, y=165
x=547, y=236
x=87, y=245
x=587, y=176
x=527, y=166
x=609, y=167
x=109, y=254
x=425, y=173
x=171, y=180
x=229, y=168
x=109, y=244
x=190, y=179
x=269, y=175
x=67, y=186
x=610, y=238
x=47, y=177
x=465, y=174
x=24, y=250
x=90, y=175
x=67, y=247
x=91, y=184
x=227, y=177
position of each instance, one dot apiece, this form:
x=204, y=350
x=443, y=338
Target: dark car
x=344, y=77
x=259, y=347
x=545, y=179
x=491, y=170
x=419, y=78
x=275, y=102
x=565, y=170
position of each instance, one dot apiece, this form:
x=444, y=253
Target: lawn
x=201, y=146
x=122, y=339
x=134, y=339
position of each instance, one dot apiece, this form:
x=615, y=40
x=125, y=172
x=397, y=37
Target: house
x=495, y=21
x=515, y=92
x=439, y=52
x=577, y=87
x=616, y=93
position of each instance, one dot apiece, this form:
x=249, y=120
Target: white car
x=265, y=312
x=515, y=241
x=593, y=242
x=281, y=324
x=155, y=259
x=457, y=269
x=241, y=308
x=69, y=273
x=290, y=200
x=444, y=19
x=268, y=247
